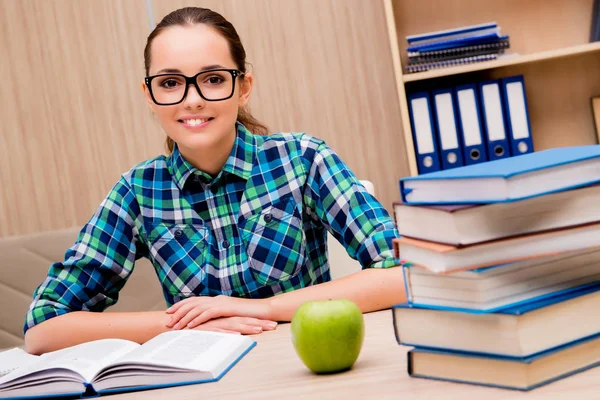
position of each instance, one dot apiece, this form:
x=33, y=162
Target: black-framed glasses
x=212, y=85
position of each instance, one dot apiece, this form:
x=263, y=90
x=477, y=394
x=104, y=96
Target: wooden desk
x=272, y=370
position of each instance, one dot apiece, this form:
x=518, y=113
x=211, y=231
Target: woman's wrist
x=160, y=320
x=268, y=309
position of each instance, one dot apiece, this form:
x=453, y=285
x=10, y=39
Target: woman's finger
x=177, y=305
x=265, y=324
x=248, y=329
x=187, y=318
x=239, y=325
x=211, y=313
x=183, y=311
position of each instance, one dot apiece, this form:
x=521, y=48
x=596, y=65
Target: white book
x=493, y=288
x=113, y=365
x=441, y=258
x=469, y=224
x=522, y=330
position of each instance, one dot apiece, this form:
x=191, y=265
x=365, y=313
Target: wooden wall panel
x=323, y=67
x=72, y=109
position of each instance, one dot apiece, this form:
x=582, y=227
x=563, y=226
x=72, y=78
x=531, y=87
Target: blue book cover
x=588, y=343
x=463, y=30
x=521, y=307
x=487, y=182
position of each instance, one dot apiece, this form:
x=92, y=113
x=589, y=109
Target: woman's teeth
x=194, y=122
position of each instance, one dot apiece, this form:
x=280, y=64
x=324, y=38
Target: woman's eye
x=169, y=83
x=215, y=80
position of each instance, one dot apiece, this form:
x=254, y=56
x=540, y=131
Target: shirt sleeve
x=352, y=215
x=97, y=266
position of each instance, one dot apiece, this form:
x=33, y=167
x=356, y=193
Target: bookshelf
x=560, y=66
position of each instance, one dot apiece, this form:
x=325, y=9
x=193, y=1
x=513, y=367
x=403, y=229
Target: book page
x=14, y=359
x=85, y=359
x=197, y=350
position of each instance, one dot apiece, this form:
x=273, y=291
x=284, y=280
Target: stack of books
x=465, y=45
x=501, y=265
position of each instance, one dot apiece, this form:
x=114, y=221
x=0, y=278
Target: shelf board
x=516, y=60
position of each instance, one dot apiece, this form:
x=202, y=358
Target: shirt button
x=268, y=218
x=226, y=243
x=178, y=233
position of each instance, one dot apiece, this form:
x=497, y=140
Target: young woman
x=234, y=221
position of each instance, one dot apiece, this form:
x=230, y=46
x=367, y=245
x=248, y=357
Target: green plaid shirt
x=257, y=229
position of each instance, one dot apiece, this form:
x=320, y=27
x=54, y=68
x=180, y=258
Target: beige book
x=442, y=258
x=469, y=224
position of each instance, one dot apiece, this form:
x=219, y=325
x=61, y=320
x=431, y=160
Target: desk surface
x=272, y=370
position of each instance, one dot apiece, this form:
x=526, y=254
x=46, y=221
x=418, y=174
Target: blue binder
x=517, y=115
x=463, y=31
x=469, y=124
x=421, y=121
x=493, y=115
x=447, y=131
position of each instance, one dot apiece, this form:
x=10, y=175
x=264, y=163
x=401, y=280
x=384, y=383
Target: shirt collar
x=238, y=163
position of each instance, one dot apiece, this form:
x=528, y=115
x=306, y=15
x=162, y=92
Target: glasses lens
x=168, y=89
x=216, y=85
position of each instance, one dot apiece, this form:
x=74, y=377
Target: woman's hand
x=195, y=311
x=243, y=325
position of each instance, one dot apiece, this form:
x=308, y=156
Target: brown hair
x=195, y=15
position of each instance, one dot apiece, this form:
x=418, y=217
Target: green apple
x=328, y=335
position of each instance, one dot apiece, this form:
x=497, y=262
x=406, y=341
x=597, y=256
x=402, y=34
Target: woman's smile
x=195, y=123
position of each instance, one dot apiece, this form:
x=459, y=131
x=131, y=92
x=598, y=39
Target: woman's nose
x=193, y=98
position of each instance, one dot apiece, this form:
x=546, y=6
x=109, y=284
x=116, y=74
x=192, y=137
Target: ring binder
x=517, y=115
x=447, y=128
x=421, y=120
x=493, y=116
x=469, y=120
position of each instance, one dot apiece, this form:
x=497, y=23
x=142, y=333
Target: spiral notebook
x=448, y=54
x=458, y=43
x=450, y=63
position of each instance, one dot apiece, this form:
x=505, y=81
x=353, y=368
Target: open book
x=113, y=365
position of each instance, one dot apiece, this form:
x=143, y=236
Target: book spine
x=595, y=31
x=409, y=363
x=395, y=323
x=407, y=285
x=89, y=392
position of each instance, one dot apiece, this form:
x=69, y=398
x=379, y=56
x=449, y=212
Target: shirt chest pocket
x=177, y=251
x=274, y=242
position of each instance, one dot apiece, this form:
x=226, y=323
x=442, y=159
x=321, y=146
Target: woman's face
x=196, y=124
